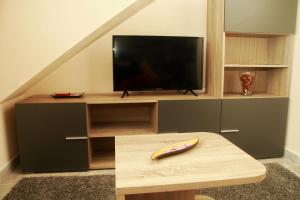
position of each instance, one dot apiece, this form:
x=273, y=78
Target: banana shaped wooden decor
x=175, y=148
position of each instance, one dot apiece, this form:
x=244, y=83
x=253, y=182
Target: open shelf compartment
x=268, y=82
x=108, y=120
x=264, y=50
x=102, y=153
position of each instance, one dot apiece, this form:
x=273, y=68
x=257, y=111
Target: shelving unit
x=267, y=55
x=105, y=121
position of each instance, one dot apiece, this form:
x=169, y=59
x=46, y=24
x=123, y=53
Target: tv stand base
x=194, y=93
x=125, y=93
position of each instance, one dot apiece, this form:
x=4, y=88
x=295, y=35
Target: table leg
x=120, y=197
x=178, y=195
x=203, y=197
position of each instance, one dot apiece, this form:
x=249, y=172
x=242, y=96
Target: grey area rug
x=280, y=184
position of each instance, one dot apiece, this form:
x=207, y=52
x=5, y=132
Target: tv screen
x=157, y=62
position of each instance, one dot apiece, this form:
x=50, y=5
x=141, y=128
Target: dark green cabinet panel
x=260, y=16
x=189, y=115
x=258, y=125
x=52, y=137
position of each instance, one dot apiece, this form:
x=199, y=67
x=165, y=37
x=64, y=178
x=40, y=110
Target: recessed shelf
x=102, y=153
x=103, y=160
x=109, y=129
x=254, y=66
x=254, y=95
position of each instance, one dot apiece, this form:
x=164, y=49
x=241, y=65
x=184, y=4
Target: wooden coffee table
x=214, y=162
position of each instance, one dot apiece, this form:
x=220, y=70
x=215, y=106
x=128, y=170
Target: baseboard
x=292, y=156
x=11, y=165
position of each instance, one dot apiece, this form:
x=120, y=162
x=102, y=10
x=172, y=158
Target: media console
x=78, y=134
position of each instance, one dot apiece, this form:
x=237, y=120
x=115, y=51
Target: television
x=158, y=63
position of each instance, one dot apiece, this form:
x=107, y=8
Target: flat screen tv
x=158, y=62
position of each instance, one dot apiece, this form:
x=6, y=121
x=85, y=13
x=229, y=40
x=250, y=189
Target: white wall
x=8, y=139
x=91, y=70
x=34, y=33
x=293, y=136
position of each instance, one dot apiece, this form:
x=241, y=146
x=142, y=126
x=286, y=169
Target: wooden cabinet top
x=115, y=98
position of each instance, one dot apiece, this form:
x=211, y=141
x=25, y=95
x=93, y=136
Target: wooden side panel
x=215, y=47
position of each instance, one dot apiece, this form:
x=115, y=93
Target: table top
x=212, y=163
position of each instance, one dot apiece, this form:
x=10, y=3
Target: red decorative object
x=247, y=79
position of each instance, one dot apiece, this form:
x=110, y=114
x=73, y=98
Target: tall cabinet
x=252, y=36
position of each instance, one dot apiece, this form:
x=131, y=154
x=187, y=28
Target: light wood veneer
x=214, y=162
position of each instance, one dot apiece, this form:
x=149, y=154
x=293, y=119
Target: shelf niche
x=268, y=81
x=102, y=153
x=108, y=120
x=257, y=49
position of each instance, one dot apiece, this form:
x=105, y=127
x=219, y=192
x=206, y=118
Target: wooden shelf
x=110, y=129
x=267, y=80
x=103, y=159
x=105, y=121
x=255, y=95
x=254, y=66
x=253, y=35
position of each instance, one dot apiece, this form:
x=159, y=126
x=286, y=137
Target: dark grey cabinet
x=189, y=115
x=258, y=126
x=52, y=136
x=261, y=16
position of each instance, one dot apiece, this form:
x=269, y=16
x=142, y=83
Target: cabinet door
x=52, y=137
x=189, y=115
x=260, y=16
x=258, y=126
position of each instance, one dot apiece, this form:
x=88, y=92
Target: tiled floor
x=8, y=182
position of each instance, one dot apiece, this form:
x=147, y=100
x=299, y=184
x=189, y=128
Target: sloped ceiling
x=39, y=36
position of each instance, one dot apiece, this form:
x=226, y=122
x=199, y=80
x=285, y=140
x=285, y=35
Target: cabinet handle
x=230, y=131
x=76, y=138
